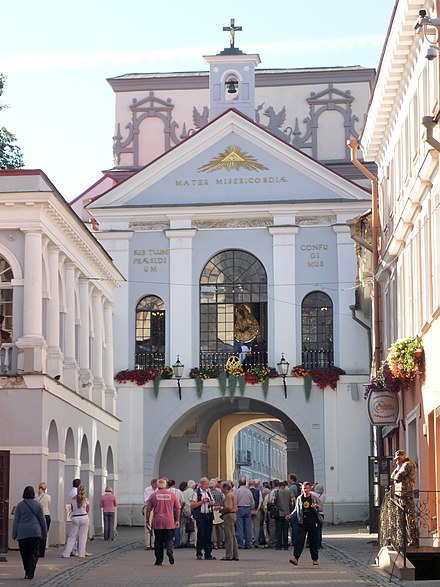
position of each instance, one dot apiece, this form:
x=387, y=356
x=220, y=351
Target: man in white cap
x=166, y=508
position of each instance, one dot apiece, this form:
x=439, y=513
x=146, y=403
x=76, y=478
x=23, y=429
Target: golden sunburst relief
x=232, y=158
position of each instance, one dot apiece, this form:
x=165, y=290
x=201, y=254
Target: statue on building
x=404, y=478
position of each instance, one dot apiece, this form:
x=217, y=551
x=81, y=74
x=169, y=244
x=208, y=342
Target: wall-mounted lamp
x=283, y=370
x=178, y=373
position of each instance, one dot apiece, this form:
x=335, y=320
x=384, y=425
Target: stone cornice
x=400, y=52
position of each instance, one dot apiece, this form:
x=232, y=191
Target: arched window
x=150, y=333
x=233, y=309
x=317, y=330
x=6, y=277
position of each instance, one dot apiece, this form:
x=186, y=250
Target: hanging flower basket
x=404, y=358
x=326, y=376
x=138, y=376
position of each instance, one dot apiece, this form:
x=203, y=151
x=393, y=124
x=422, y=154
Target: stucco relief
x=330, y=99
x=314, y=220
x=234, y=223
x=144, y=226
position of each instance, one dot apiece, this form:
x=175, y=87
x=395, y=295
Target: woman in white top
x=45, y=500
x=80, y=524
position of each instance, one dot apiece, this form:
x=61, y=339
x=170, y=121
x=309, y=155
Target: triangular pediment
x=232, y=160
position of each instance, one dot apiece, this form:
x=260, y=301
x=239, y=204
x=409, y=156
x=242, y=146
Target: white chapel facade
x=222, y=207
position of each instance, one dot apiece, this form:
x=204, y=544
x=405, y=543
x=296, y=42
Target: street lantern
x=283, y=370
x=178, y=372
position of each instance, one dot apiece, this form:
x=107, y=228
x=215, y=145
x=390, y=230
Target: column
x=180, y=312
x=97, y=348
x=99, y=479
x=70, y=363
x=54, y=354
x=57, y=490
x=84, y=340
x=32, y=343
x=284, y=295
x=110, y=391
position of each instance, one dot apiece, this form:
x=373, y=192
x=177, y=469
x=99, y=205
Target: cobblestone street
x=347, y=559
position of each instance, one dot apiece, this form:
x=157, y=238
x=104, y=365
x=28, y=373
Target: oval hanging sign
x=383, y=407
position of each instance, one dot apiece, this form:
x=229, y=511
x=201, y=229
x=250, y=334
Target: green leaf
x=265, y=387
x=156, y=384
x=307, y=386
x=222, y=383
x=199, y=386
x=241, y=384
x=232, y=384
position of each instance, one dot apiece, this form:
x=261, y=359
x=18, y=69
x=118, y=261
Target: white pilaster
x=181, y=291
x=54, y=354
x=70, y=363
x=84, y=340
x=110, y=391
x=33, y=346
x=284, y=295
x=97, y=348
x=346, y=354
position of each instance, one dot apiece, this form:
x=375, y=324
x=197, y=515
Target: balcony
x=243, y=458
x=220, y=358
x=8, y=359
x=149, y=360
x=317, y=358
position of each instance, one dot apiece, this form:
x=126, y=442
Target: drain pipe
x=354, y=145
x=429, y=123
x=367, y=328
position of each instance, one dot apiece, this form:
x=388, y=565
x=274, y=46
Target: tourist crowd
x=214, y=514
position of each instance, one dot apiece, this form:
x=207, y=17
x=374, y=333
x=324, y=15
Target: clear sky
x=57, y=55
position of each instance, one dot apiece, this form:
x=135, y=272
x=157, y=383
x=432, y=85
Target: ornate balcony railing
x=149, y=360
x=243, y=458
x=317, y=358
x=220, y=358
x=406, y=521
x=8, y=358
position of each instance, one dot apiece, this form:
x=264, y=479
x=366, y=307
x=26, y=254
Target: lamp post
x=178, y=372
x=283, y=369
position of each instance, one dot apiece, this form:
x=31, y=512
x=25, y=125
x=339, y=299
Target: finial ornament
x=232, y=29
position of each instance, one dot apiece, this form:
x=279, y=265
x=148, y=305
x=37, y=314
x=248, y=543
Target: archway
x=55, y=483
x=195, y=446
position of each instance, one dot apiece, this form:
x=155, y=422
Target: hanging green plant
x=156, y=384
x=265, y=387
x=241, y=384
x=307, y=380
x=222, y=379
x=199, y=386
x=232, y=384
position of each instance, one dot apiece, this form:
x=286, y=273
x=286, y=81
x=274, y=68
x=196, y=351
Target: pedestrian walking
x=178, y=493
x=108, y=505
x=166, y=508
x=256, y=512
x=28, y=529
x=80, y=524
x=218, y=534
x=308, y=510
x=202, y=504
x=45, y=500
x=245, y=504
x=72, y=493
x=149, y=534
x=229, y=514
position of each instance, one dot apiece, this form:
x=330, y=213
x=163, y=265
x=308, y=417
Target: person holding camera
x=202, y=504
x=308, y=509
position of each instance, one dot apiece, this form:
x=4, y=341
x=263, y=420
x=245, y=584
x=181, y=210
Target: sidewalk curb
x=363, y=570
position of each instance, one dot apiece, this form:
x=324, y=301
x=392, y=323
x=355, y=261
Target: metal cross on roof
x=232, y=28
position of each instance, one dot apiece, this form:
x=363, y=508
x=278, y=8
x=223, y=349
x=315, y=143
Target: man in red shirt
x=166, y=509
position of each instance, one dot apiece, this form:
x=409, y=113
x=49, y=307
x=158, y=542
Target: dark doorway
x=4, y=499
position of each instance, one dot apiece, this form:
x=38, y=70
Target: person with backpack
x=256, y=512
x=308, y=509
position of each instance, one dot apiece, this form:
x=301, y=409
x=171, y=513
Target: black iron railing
x=149, y=360
x=220, y=358
x=317, y=358
x=407, y=521
x=243, y=458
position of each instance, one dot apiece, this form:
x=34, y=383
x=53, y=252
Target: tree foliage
x=11, y=156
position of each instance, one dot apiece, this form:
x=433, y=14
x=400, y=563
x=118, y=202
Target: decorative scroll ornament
x=232, y=158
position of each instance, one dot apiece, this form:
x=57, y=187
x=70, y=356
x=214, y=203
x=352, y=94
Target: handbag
x=189, y=526
x=274, y=511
